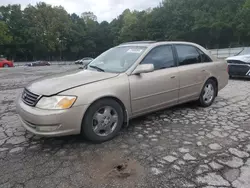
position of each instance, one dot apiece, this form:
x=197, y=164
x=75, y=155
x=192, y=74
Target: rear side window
x=161, y=57
x=204, y=57
x=187, y=55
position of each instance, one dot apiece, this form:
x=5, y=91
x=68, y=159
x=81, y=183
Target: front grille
x=29, y=98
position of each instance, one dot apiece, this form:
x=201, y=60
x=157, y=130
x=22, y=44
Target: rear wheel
x=5, y=65
x=102, y=121
x=208, y=93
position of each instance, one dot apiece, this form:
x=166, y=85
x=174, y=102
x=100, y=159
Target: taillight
x=227, y=66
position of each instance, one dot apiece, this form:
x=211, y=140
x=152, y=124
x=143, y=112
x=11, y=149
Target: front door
x=158, y=89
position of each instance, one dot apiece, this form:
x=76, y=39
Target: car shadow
x=78, y=140
x=240, y=78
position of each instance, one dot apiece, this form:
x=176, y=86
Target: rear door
x=193, y=71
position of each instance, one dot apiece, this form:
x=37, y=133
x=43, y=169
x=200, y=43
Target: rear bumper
x=241, y=75
x=51, y=122
x=223, y=80
x=242, y=70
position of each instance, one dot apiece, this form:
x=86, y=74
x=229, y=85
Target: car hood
x=54, y=84
x=244, y=58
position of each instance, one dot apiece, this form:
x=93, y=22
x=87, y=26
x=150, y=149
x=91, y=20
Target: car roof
x=139, y=42
x=156, y=43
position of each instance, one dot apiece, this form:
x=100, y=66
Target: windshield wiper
x=97, y=68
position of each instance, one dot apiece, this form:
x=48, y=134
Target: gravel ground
x=184, y=146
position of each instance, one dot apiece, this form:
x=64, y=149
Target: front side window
x=187, y=55
x=117, y=59
x=161, y=57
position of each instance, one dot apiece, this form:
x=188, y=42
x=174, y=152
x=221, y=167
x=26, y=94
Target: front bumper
x=51, y=122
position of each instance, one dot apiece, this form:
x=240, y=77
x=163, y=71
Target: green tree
x=5, y=37
x=242, y=24
x=49, y=32
x=48, y=27
x=12, y=15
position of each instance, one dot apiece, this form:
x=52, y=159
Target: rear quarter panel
x=221, y=73
x=218, y=70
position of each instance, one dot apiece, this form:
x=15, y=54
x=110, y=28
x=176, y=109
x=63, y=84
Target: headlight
x=56, y=102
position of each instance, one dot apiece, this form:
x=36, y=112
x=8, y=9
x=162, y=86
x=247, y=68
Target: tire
x=91, y=126
x=5, y=65
x=207, y=99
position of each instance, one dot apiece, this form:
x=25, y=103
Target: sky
x=103, y=9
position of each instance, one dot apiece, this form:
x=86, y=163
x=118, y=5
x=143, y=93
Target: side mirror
x=144, y=68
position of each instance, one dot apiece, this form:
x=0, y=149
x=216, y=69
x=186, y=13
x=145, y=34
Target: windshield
x=117, y=59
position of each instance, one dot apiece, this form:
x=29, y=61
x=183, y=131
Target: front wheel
x=208, y=94
x=5, y=65
x=103, y=120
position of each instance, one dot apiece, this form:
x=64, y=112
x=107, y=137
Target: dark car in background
x=5, y=63
x=239, y=65
x=38, y=63
x=84, y=61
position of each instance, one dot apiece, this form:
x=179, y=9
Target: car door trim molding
x=191, y=85
x=155, y=94
x=152, y=108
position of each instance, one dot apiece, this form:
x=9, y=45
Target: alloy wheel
x=208, y=93
x=105, y=121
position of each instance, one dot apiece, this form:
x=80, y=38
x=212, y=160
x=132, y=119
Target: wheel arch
x=125, y=111
x=216, y=82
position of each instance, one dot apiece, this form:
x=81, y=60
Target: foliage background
x=50, y=33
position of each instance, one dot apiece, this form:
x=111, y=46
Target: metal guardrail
x=228, y=52
x=20, y=64
x=219, y=53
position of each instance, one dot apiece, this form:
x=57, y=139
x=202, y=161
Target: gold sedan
x=124, y=82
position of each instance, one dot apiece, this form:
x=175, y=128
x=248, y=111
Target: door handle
x=203, y=70
x=172, y=77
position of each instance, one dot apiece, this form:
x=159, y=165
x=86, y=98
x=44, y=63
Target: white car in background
x=84, y=61
x=239, y=65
